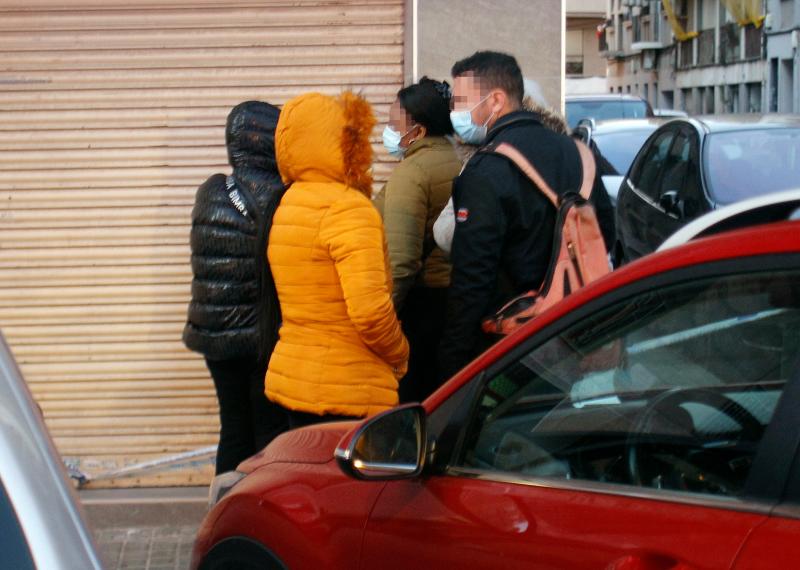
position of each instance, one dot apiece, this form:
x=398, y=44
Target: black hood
x=250, y=136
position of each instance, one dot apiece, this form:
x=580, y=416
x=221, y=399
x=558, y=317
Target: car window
x=620, y=148
x=671, y=389
x=13, y=545
x=603, y=109
x=745, y=164
x=680, y=175
x=646, y=173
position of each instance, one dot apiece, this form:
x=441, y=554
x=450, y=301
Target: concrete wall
x=448, y=30
x=783, y=58
x=586, y=7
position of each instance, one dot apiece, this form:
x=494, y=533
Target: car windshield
x=588, y=109
x=743, y=164
x=620, y=148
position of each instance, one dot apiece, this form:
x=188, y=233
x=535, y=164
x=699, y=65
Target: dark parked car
x=618, y=141
x=609, y=106
x=693, y=165
x=649, y=420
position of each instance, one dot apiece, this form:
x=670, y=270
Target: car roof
x=619, y=125
x=741, y=122
x=776, y=206
x=768, y=239
x=604, y=97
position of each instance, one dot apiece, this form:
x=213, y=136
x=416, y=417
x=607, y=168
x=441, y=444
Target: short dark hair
x=498, y=70
x=428, y=104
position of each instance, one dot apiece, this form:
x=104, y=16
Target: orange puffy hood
x=326, y=139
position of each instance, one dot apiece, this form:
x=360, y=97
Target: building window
x=668, y=99
x=574, y=52
x=686, y=100
x=708, y=103
x=787, y=14
x=730, y=98
x=754, y=97
x=786, y=86
x=773, y=86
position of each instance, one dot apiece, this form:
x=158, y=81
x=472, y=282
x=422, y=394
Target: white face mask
x=466, y=130
x=391, y=141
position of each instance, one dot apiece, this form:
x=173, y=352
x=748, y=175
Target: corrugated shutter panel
x=111, y=114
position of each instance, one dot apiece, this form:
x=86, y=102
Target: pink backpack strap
x=528, y=169
x=588, y=167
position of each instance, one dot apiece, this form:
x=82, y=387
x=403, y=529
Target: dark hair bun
x=428, y=103
x=442, y=87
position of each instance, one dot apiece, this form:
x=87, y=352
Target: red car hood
x=313, y=444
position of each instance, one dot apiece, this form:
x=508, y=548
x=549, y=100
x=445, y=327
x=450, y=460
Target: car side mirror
x=391, y=445
x=671, y=203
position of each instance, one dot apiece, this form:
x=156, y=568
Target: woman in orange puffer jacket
x=341, y=350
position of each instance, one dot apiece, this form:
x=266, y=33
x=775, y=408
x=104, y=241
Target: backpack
x=579, y=253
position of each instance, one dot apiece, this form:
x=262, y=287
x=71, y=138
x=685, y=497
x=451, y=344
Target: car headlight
x=221, y=484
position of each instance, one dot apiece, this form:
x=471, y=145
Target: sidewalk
x=145, y=529
x=146, y=548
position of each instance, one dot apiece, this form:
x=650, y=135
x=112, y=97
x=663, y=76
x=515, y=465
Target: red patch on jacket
x=462, y=215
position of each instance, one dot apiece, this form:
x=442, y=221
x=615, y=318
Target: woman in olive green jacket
x=418, y=189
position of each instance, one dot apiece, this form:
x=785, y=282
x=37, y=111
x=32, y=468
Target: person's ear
x=418, y=132
x=498, y=101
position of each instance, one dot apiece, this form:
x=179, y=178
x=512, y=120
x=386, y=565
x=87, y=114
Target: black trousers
x=422, y=316
x=248, y=420
x=298, y=419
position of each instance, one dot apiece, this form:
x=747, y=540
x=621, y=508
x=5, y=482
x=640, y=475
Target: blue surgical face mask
x=466, y=130
x=391, y=141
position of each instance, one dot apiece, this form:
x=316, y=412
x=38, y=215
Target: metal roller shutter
x=111, y=114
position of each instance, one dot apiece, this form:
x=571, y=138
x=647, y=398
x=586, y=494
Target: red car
x=650, y=420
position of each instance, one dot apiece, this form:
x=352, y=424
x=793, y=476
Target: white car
x=774, y=207
x=42, y=522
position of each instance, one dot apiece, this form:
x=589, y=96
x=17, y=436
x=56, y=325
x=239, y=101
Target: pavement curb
x=150, y=507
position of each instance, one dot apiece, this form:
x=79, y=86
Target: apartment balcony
x=729, y=43
x=736, y=44
x=685, y=56
x=752, y=41
x=705, y=48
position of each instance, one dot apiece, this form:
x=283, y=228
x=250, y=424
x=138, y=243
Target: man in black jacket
x=504, y=225
x=234, y=313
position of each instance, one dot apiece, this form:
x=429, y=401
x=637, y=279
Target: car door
x=637, y=201
x=680, y=197
x=774, y=543
x=638, y=432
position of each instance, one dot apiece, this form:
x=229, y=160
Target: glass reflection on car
x=669, y=390
x=620, y=148
x=743, y=164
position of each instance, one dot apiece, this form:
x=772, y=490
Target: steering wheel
x=665, y=413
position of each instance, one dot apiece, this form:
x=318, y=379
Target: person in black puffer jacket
x=234, y=313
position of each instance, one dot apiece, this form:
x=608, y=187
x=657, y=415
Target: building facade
x=582, y=55
x=698, y=56
x=783, y=36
